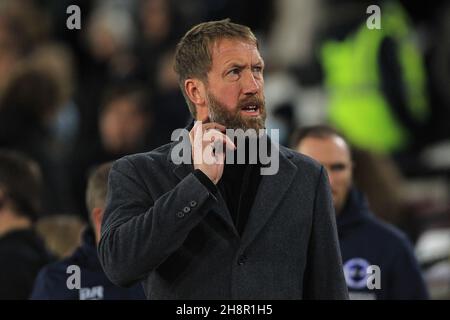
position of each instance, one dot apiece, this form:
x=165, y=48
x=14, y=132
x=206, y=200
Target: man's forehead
x=227, y=47
x=332, y=148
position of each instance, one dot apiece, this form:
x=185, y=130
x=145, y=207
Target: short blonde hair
x=97, y=187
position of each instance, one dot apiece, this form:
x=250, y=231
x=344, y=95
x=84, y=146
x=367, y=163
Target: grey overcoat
x=163, y=227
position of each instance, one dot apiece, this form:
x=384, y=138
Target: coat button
x=241, y=260
x=180, y=214
x=186, y=209
x=193, y=203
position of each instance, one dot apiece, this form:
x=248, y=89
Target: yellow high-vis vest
x=357, y=106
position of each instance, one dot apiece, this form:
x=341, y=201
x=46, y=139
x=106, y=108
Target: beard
x=235, y=120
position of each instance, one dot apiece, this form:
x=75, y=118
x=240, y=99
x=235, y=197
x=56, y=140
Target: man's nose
x=332, y=180
x=330, y=176
x=250, y=84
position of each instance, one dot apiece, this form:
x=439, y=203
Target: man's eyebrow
x=232, y=63
x=260, y=62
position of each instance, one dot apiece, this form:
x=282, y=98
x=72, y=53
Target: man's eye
x=338, y=167
x=257, y=69
x=234, y=71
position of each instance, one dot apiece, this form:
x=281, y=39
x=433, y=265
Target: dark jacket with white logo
x=367, y=241
x=51, y=282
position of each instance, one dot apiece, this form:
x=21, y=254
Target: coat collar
x=355, y=211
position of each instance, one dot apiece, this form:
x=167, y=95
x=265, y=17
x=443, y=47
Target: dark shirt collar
x=356, y=209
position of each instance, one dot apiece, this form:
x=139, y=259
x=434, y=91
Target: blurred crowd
x=71, y=100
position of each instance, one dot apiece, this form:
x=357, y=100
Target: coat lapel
x=270, y=193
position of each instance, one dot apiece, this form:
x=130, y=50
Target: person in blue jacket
x=378, y=259
x=58, y=281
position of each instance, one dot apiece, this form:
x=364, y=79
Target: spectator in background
x=19, y=33
x=375, y=79
x=364, y=240
x=108, y=59
x=28, y=107
x=160, y=27
x=125, y=120
x=22, y=252
x=51, y=282
x=125, y=126
x=168, y=98
x=56, y=60
x=61, y=233
x=110, y=39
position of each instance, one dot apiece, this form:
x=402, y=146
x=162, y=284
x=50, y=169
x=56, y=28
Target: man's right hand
x=208, y=145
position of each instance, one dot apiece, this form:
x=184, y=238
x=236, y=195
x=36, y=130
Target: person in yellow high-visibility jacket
x=376, y=84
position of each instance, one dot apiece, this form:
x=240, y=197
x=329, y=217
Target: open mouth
x=251, y=110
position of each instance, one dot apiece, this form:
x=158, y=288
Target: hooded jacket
x=366, y=241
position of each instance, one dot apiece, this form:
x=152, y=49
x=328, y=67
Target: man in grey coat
x=206, y=228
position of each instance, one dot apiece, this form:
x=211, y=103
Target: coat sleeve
x=138, y=232
x=324, y=277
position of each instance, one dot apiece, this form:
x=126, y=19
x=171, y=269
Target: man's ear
x=97, y=216
x=196, y=91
